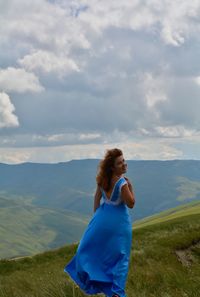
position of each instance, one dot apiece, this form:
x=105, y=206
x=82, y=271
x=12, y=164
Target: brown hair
x=104, y=175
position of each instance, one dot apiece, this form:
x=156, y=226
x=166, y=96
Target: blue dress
x=101, y=262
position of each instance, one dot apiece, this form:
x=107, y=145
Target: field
x=165, y=261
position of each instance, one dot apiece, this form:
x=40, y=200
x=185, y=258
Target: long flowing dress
x=102, y=259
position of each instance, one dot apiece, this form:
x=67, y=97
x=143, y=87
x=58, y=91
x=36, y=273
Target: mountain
x=165, y=261
x=46, y=205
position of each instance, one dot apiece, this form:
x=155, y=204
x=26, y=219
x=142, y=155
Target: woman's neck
x=117, y=175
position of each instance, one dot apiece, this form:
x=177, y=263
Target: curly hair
x=104, y=174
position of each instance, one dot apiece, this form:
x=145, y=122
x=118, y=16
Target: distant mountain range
x=44, y=206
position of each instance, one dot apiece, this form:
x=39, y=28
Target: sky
x=80, y=77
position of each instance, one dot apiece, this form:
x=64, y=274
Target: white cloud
x=11, y=156
x=175, y=131
x=153, y=149
x=154, y=88
x=42, y=24
x=60, y=139
x=129, y=69
x=48, y=62
x=54, y=137
x=175, y=20
x=197, y=80
x=18, y=80
x=7, y=117
x=89, y=136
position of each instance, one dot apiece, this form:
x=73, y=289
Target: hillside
x=169, y=214
x=71, y=185
x=165, y=261
x=26, y=229
x=40, y=203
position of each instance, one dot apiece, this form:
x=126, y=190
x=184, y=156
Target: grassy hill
x=165, y=261
x=169, y=214
x=26, y=229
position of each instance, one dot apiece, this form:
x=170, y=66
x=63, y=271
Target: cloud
x=11, y=156
x=171, y=132
x=197, y=80
x=100, y=72
x=154, y=89
x=7, y=117
x=19, y=81
x=48, y=62
x=175, y=21
x=41, y=24
x=155, y=149
x=44, y=139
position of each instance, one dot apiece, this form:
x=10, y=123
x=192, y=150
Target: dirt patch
x=185, y=255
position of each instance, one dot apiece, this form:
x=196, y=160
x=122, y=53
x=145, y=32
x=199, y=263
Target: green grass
x=41, y=228
x=154, y=271
x=187, y=188
x=175, y=212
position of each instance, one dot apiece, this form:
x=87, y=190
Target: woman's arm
x=97, y=198
x=128, y=194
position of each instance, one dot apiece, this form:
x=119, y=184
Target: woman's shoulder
x=123, y=179
x=123, y=182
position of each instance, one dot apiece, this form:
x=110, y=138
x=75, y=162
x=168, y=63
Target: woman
x=101, y=262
